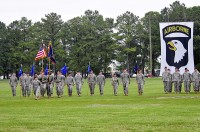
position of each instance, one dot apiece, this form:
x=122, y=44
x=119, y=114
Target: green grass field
x=153, y=111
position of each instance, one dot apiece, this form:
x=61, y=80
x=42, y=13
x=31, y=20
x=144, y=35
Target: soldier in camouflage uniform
x=59, y=83
x=166, y=79
x=50, y=81
x=70, y=84
x=22, y=84
x=140, y=81
x=28, y=83
x=195, y=80
x=79, y=82
x=176, y=78
x=187, y=79
x=125, y=77
x=13, y=83
x=43, y=86
x=92, y=82
x=115, y=83
x=36, y=87
x=101, y=82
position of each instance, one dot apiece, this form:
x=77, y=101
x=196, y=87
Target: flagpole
x=42, y=65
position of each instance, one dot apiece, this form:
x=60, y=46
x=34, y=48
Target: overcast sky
x=34, y=10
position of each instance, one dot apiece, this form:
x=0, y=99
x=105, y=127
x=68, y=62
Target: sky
x=34, y=10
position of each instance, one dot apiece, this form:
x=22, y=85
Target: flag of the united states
x=41, y=54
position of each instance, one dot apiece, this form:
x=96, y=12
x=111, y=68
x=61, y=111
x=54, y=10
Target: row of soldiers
x=42, y=84
x=177, y=79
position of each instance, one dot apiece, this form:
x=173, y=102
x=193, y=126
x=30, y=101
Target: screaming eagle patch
x=176, y=38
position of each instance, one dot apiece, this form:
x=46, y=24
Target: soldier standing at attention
x=28, y=82
x=70, y=84
x=101, y=82
x=186, y=80
x=140, y=81
x=92, y=82
x=165, y=79
x=36, y=87
x=22, y=84
x=43, y=86
x=79, y=82
x=195, y=80
x=13, y=84
x=176, y=77
x=115, y=84
x=125, y=77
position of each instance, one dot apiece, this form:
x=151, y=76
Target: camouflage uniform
x=176, y=78
x=36, y=86
x=195, y=79
x=13, y=83
x=79, y=82
x=70, y=83
x=43, y=86
x=125, y=77
x=59, y=84
x=92, y=82
x=140, y=81
x=166, y=80
x=22, y=84
x=115, y=84
x=187, y=80
x=28, y=83
x=101, y=82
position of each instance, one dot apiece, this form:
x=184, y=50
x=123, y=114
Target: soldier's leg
x=51, y=89
x=142, y=88
x=77, y=88
x=139, y=88
x=12, y=88
x=185, y=86
x=115, y=89
x=90, y=87
x=80, y=88
x=127, y=89
x=70, y=90
x=175, y=87
x=93, y=86
x=165, y=85
x=37, y=92
x=29, y=89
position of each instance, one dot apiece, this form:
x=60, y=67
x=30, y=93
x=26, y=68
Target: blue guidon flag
x=177, y=46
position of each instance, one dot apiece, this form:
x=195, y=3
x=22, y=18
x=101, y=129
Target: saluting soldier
x=70, y=83
x=115, y=83
x=36, y=87
x=22, y=84
x=140, y=82
x=92, y=82
x=125, y=77
x=79, y=82
x=59, y=83
x=195, y=80
x=166, y=79
x=28, y=83
x=187, y=79
x=101, y=82
x=176, y=77
x=13, y=84
x=43, y=86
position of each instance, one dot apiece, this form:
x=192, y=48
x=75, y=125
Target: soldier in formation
x=70, y=84
x=101, y=82
x=92, y=82
x=13, y=83
x=79, y=82
x=115, y=84
x=125, y=77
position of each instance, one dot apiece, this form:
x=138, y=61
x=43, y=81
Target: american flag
x=41, y=53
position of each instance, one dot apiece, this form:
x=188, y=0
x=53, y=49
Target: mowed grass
x=153, y=111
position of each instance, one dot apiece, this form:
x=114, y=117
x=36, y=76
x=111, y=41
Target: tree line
x=93, y=39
